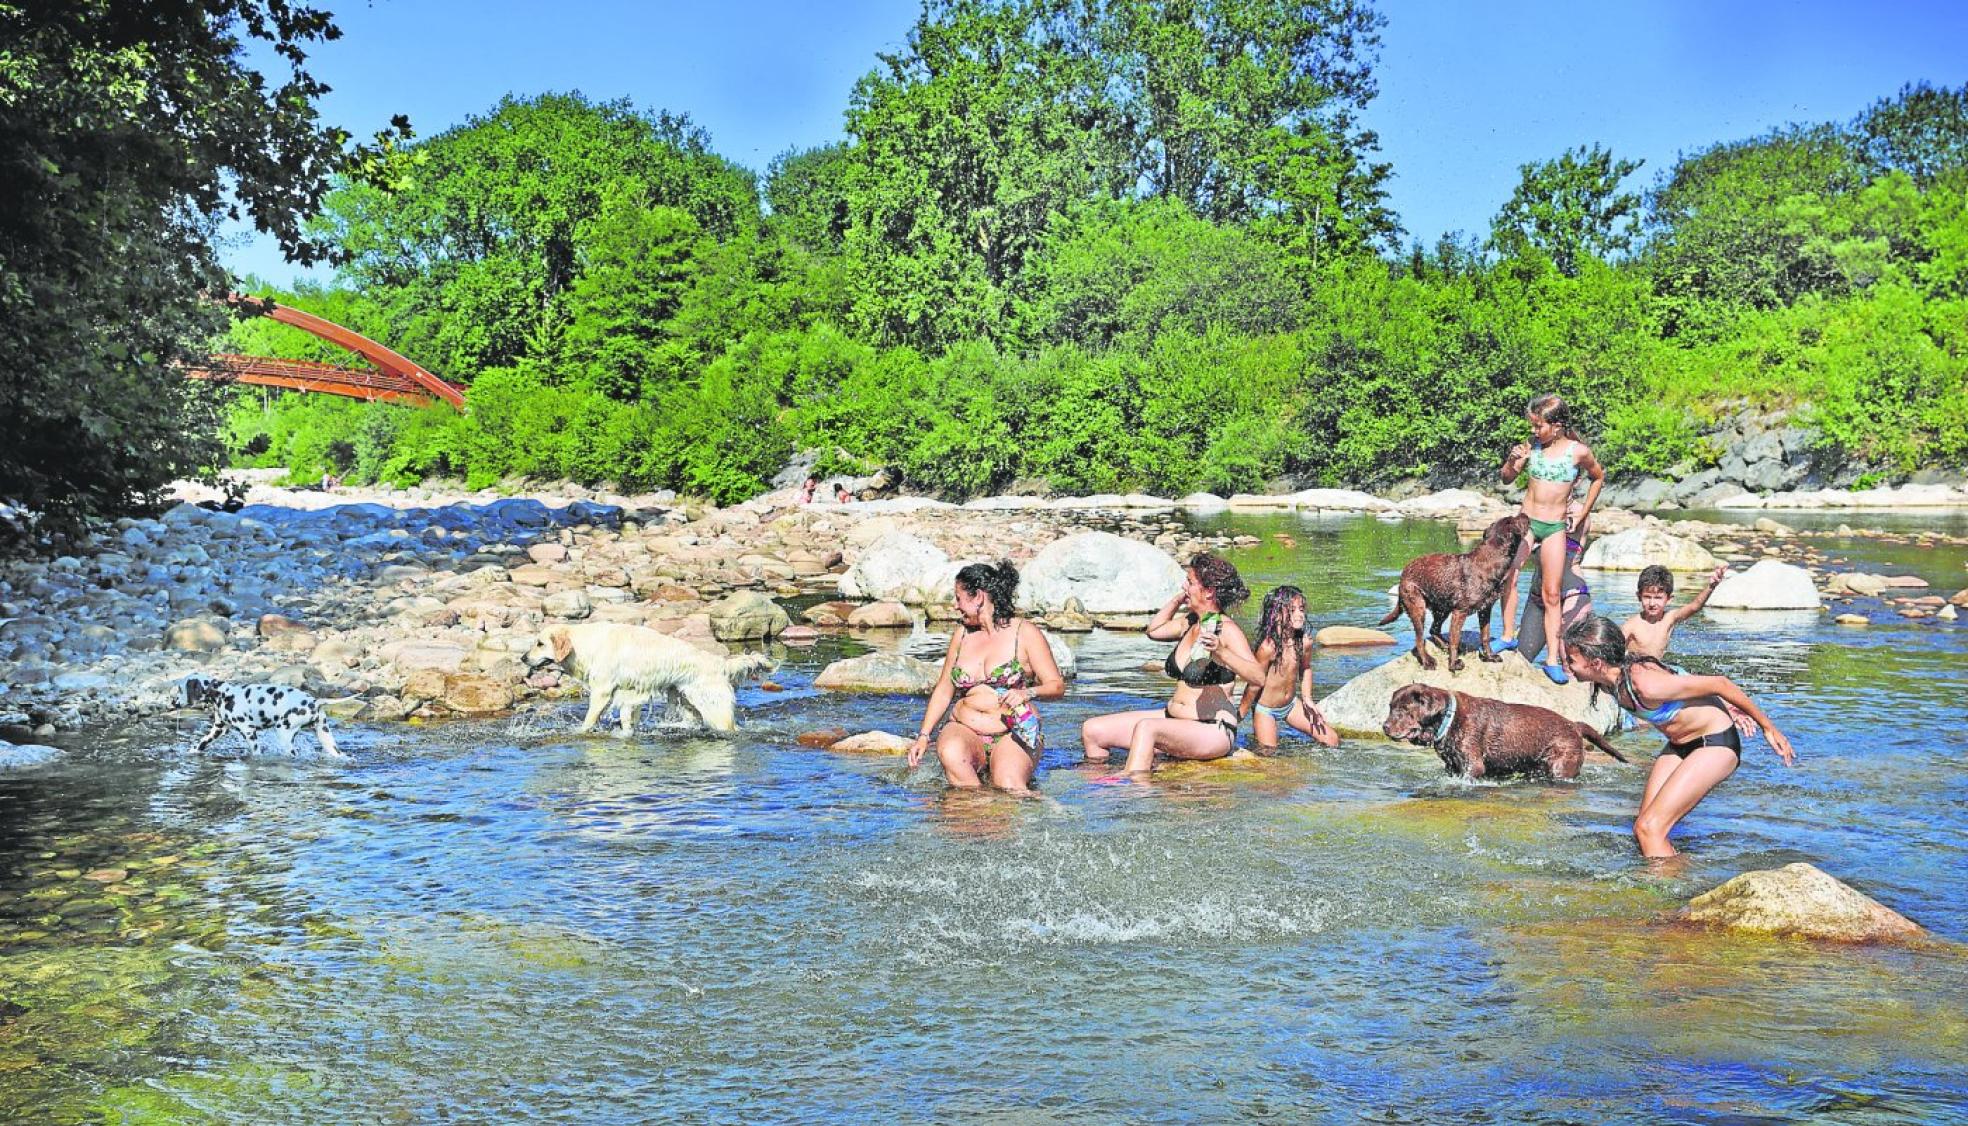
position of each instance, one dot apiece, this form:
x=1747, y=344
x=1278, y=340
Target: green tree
x=967, y=142
x=477, y=244
x=807, y=193
x=1732, y=224
x=127, y=133
x=1921, y=131
x=1569, y=209
x=1241, y=109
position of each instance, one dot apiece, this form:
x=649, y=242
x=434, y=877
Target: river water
x=500, y=922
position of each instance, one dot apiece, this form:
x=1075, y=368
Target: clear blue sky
x=1468, y=90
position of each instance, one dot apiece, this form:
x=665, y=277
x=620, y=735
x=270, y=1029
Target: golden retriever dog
x=628, y=665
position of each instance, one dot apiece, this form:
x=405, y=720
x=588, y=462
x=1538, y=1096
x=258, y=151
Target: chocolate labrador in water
x=1480, y=738
x=1455, y=586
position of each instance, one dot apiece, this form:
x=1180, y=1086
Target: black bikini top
x=1199, y=674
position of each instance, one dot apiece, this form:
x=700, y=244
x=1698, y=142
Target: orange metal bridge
x=392, y=378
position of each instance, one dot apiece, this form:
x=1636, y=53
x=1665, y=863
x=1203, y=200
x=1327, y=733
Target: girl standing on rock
x=1554, y=458
x=1692, y=712
x=1210, y=655
x=996, y=666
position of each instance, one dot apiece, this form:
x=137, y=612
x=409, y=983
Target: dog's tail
x=745, y=664
x=1599, y=741
x=1391, y=614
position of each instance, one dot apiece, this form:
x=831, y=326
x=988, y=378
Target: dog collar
x=1448, y=720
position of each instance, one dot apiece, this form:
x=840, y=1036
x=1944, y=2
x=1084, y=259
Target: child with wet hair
x=1286, y=694
x=1650, y=630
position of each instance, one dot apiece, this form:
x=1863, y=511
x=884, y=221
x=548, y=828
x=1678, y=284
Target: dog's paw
x=1488, y=657
x=1455, y=665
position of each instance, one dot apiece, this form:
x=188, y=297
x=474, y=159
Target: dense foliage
x=127, y=131
x=1102, y=245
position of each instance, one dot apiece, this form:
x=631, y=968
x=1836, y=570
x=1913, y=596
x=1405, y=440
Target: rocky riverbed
x=389, y=605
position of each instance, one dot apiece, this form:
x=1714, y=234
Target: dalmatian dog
x=254, y=709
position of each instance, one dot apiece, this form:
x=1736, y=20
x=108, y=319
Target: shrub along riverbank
x=1024, y=294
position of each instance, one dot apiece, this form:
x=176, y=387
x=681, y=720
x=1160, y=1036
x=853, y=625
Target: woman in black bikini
x=997, y=665
x=1211, y=653
x=1689, y=711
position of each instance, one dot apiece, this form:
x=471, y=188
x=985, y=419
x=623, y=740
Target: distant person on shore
x=1554, y=458
x=1691, y=712
x=807, y=490
x=1286, y=694
x=997, y=664
x=841, y=495
x=1211, y=654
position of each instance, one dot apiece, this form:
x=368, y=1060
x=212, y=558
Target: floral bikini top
x=1552, y=467
x=1004, y=677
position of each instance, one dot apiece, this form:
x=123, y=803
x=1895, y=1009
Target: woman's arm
x=1166, y=626
x=939, y=700
x=1231, y=649
x=1663, y=685
x=1597, y=473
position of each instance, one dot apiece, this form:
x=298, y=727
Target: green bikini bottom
x=1542, y=530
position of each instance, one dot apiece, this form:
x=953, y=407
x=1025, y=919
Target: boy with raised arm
x=1650, y=630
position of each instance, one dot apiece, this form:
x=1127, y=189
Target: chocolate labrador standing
x=1455, y=586
x=1479, y=737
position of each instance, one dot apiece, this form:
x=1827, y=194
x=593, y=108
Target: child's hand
x=1721, y=573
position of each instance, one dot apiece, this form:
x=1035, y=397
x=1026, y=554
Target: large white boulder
x=1446, y=501
x=1339, y=500
x=1260, y=500
x=1767, y=585
x=1636, y=549
x=1107, y=573
x=897, y=566
x=1359, y=706
x=879, y=672
x=1800, y=900
x=1203, y=502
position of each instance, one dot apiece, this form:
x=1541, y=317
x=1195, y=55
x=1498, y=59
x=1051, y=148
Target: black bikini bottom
x=1727, y=737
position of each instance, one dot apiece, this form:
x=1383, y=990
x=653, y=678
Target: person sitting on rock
x=1286, y=694
x=841, y=495
x=996, y=666
x=1691, y=712
x=807, y=490
x=1211, y=654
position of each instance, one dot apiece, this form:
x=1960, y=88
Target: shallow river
x=499, y=922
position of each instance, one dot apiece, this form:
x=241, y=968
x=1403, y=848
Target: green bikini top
x=1551, y=467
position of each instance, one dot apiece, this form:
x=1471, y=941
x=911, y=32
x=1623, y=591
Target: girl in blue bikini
x=1691, y=712
x=1554, y=459
x=996, y=666
x=1285, y=697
